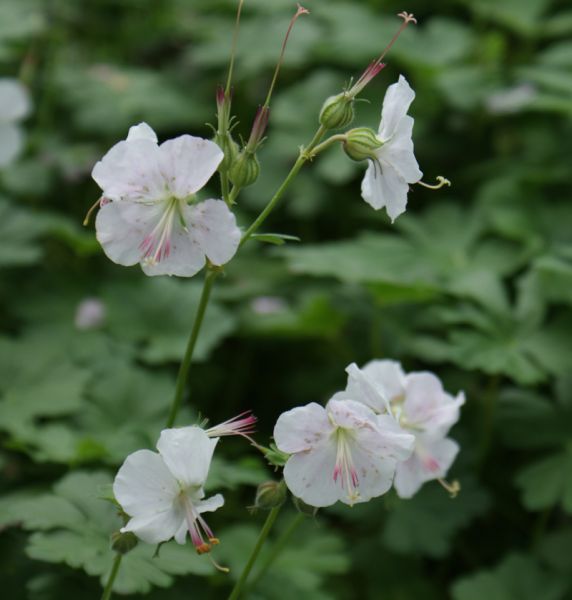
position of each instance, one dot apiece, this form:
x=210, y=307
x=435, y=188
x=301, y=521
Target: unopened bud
x=305, y=509
x=123, y=543
x=337, y=112
x=362, y=143
x=270, y=494
x=245, y=170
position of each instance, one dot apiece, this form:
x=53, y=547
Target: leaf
x=547, y=482
x=518, y=577
x=278, y=239
x=76, y=531
x=427, y=523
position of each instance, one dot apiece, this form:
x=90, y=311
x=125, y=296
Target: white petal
x=428, y=406
x=310, y=475
x=11, y=143
x=214, y=227
x=398, y=152
x=431, y=460
x=158, y=527
x=376, y=384
x=181, y=533
x=131, y=171
x=142, y=132
x=302, y=428
x=396, y=103
x=210, y=504
x=121, y=228
x=186, y=257
x=188, y=163
x=383, y=186
x=144, y=485
x=15, y=101
x=187, y=452
x=350, y=414
x=392, y=441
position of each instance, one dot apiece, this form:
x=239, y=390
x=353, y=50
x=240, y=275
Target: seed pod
x=337, y=112
x=245, y=170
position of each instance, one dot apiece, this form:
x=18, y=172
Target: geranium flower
x=386, y=181
x=421, y=406
x=163, y=492
x=149, y=214
x=342, y=452
x=14, y=106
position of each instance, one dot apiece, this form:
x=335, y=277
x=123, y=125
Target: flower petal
x=158, y=527
x=428, y=406
x=15, y=101
x=302, y=428
x=11, y=143
x=431, y=460
x=142, y=132
x=131, y=171
x=188, y=162
x=144, y=485
x=398, y=152
x=210, y=504
x=396, y=103
x=310, y=475
x=214, y=227
x=187, y=452
x=121, y=228
x=186, y=256
x=383, y=186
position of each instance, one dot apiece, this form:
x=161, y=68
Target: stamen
x=344, y=469
x=442, y=182
x=243, y=425
x=198, y=528
x=453, y=488
x=99, y=202
x=157, y=245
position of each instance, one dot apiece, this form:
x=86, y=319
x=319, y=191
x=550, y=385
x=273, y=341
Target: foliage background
x=474, y=282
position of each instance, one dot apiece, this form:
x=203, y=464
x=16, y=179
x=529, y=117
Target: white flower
x=342, y=452
x=420, y=406
x=14, y=106
x=148, y=214
x=386, y=181
x=163, y=492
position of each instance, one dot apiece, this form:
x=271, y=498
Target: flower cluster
x=149, y=213
x=163, y=492
x=385, y=428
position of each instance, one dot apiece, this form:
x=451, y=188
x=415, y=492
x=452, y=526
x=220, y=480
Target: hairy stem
x=238, y=588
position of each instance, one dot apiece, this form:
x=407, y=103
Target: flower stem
x=185, y=365
x=305, y=155
x=114, y=570
x=277, y=548
x=237, y=590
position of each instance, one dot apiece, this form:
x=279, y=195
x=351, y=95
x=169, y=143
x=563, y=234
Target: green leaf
x=547, y=482
x=518, y=577
x=278, y=239
x=427, y=523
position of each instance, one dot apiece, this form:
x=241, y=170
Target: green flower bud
x=230, y=149
x=123, y=543
x=305, y=509
x=245, y=170
x=270, y=494
x=362, y=143
x=337, y=112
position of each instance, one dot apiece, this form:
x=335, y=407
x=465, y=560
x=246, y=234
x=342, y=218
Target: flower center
x=157, y=245
x=201, y=534
x=344, y=469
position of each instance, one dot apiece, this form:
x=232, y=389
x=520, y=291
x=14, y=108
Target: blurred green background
x=473, y=282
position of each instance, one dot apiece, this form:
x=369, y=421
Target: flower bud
x=305, y=509
x=270, y=494
x=245, y=170
x=362, y=143
x=123, y=543
x=337, y=112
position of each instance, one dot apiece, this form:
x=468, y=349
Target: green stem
x=340, y=137
x=237, y=590
x=114, y=570
x=185, y=365
x=224, y=186
x=305, y=155
x=277, y=548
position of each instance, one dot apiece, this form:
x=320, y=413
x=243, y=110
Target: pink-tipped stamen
x=344, y=469
x=157, y=245
x=201, y=534
x=243, y=424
